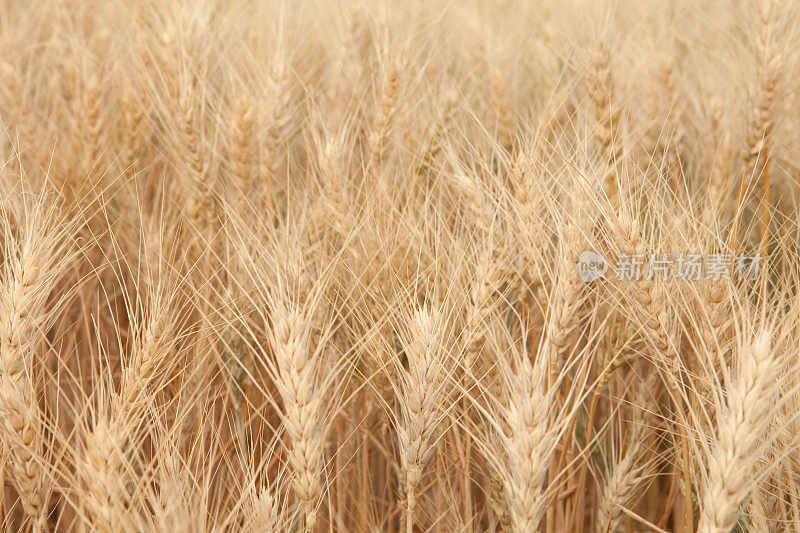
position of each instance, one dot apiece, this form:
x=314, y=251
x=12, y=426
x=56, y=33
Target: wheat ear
x=264, y=513
x=104, y=469
x=526, y=440
x=739, y=439
x=600, y=86
x=112, y=440
x=382, y=121
x=32, y=263
x=296, y=379
x=334, y=185
x=760, y=135
x=276, y=124
x=563, y=314
x=133, y=112
x=93, y=122
x=422, y=392
x=498, y=92
x=482, y=300
x=18, y=104
x=627, y=472
x=240, y=156
x=198, y=198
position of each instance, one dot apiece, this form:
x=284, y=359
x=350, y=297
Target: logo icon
x=591, y=266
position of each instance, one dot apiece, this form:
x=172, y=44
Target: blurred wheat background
x=313, y=266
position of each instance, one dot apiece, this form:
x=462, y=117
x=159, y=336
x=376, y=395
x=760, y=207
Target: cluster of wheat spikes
x=316, y=266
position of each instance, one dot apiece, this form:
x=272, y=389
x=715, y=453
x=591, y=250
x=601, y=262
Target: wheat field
x=446, y=266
